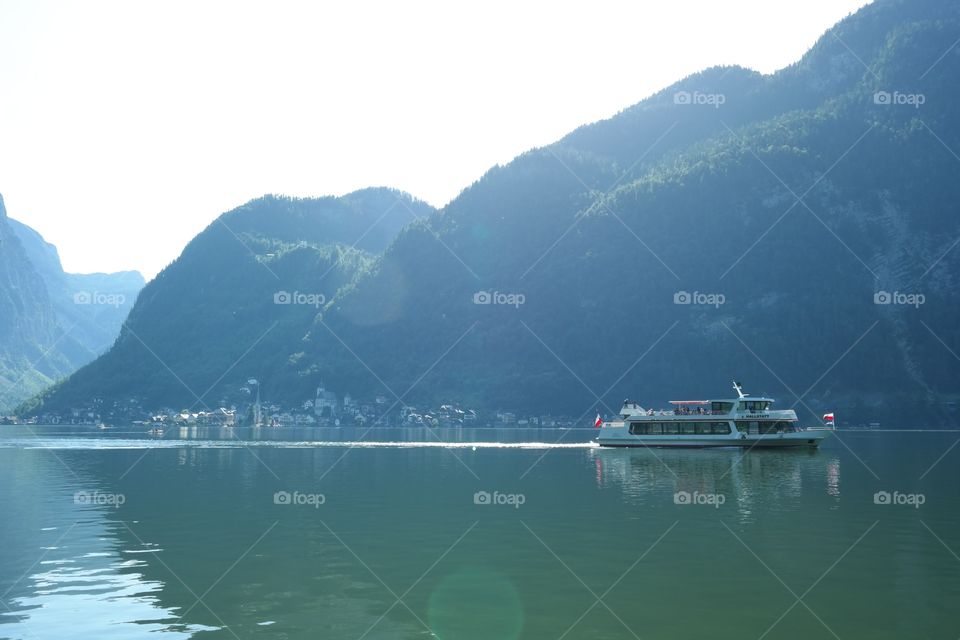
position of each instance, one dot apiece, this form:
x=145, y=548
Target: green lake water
x=483, y=533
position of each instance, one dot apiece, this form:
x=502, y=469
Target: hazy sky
x=126, y=127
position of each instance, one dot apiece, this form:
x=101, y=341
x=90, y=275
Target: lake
x=473, y=533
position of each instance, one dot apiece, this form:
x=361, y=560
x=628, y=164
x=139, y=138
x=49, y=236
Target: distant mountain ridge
x=794, y=230
x=27, y=322
x=53, y=321
x=92, y=306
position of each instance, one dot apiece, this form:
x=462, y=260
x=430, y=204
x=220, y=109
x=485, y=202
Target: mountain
x=33, y=347
x=795, y=231
x=51, y=322
x=797, y=197
x=240, y=298
x=90, y=306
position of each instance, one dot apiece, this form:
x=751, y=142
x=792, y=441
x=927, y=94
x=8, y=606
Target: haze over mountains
x=795, y=231
x=51, y=322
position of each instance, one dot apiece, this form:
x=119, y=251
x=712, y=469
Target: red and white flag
x=598, y=422
x=828, y=417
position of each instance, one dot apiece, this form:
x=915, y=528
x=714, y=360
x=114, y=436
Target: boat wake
x=117, y=443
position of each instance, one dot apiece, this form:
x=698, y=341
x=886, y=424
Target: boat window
x=686, y=428
x=645, y=428
x=720, y=407
x=720, y=427
x=748, y=426
x=770, y=427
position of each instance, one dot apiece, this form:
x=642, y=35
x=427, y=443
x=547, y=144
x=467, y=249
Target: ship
x=745, y=421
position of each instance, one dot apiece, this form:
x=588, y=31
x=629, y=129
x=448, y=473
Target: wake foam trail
x=109, y=443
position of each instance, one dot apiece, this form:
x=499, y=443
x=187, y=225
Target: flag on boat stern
x=828, y=418
x=598, y=422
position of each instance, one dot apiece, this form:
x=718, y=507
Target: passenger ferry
x=745, y=421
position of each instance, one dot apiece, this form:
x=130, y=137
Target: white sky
x=126, y=127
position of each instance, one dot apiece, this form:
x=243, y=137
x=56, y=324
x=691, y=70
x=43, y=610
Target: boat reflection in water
x=779, y=480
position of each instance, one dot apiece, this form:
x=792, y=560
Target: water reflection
x=737, y=479
x=68, y=573
x=833, y=477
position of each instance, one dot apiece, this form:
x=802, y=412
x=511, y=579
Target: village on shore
x=325, y=409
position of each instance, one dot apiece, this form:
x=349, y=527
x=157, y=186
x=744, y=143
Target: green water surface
x=289, y=534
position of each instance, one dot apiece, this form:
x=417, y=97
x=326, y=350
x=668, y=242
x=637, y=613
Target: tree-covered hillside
x=797, y=197
x=239, y=300
x=33, y=348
